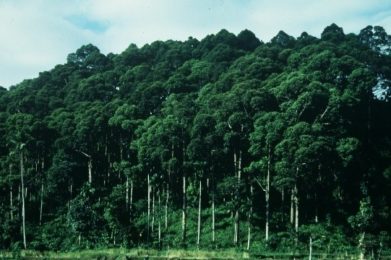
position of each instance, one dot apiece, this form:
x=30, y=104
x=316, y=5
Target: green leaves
x=271, y=129
x=347, y=149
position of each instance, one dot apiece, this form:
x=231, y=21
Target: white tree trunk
x=296, y=200
x=310, y=254
x=213, y=214
x=282, y=204
x=23, y=198
x=149, y=206
x=267, y=196
x=249, y=218
x=199, y=214
x=292, y=215
x=184, y=210
x=11, y=195
x=11, y=204
x=127, y=193
x=41, y=205
x=90, y=170
x=131, y=195
x=159, y=220
x=42, y=192
x=236, y=216
x=166, y=208
x=153, y=212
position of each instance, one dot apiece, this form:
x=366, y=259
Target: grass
x=121, y=253
x=141, y=253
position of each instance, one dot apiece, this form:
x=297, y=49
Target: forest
x=224, y=142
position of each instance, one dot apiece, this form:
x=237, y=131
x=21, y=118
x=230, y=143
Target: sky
x=36, y=35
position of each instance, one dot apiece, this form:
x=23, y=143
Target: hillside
x=219, y=143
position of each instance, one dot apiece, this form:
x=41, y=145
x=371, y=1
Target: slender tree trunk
x=267, y=196
x=42, y=192
x=106, y=180
x=23, y=198
x=316, y=210
x=235, y=173
x=89, y=157
x=11, y=204
x=319, y=181
x=11, y=195
x=199, y=214
x=41, y=205
x=166, y=208
x=236, y=217
x=149, y=207
x=90, y=169
x=310, y=253
x=296, y=200
x=70, y=189
x=131, y=195
x=292, y=215
x=213, y=212
x=159, y=220
x=153, y=212
x=127, y=194
x=250, y=218
x=184, y=213
x=282, y=204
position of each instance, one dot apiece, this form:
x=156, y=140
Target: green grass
x=129, y=254
x=140, y=253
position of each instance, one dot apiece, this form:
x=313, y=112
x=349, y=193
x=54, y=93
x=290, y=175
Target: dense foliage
x=217, y=143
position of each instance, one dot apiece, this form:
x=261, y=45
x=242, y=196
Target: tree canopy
x=221, y=142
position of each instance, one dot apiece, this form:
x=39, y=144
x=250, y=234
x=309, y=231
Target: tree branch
x=85, y=154
x=260, y=184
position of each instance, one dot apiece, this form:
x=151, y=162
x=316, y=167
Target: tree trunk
x=316, y=210
x=131, y=195
x=11, y=205
x=310, y=253
x=199, y=214
x=296, y=200
x=267, y=196
x=149, y=207
x=282, y=204
x=292, y=215
x=213, y=212
x=127, y=194
x=90, y=169
x=42, y=192
x=41, y=205
x=317, y=202
x=166, y=207
x=250, y=218
x=159, y=219
x=237, y=167
x=237, y=220
x=11, y=196
x=153, y=212
x=70, y=189
x=23, y=198
x=184, y=210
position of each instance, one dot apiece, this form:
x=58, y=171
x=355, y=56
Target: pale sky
x=38, y=34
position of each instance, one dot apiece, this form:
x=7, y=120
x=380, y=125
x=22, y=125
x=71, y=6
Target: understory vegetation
x=223, y=143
